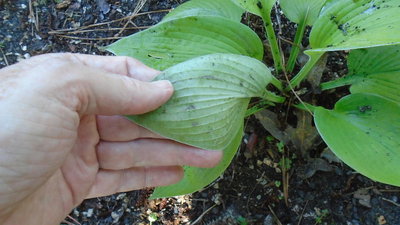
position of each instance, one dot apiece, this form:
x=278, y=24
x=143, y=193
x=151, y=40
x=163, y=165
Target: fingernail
x=165, y=86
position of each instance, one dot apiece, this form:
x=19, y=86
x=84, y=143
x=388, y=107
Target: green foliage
x=207, y=110
x=363, y=131
x=302, y=11
x=242, y=221
x=223, y=8
x=175, y=41
x=348, y=24
x=211, y=96
x=212, y=61
x=322, y=215
x=257, y=7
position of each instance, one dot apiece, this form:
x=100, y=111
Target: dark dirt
x=256, y=189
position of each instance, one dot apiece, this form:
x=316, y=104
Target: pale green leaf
x=299, y=11
x=363, y=131
x=373, y=70
x=210, y=99
x=257, y=7
x=374, y=60
x=175, y=41
x=350, y=24
x=197, y=178
x=223, y=8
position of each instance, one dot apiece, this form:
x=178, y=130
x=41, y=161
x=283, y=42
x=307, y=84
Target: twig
x=68, y=223
x=394, y=203
x=96, y=30
x=385, y=190
x=5, y=57
x=73, y=220
x=202, y=215
x=88, y=39
x=252, y=191
x=302, y=213
x=276, y=217
x=285, y=179
x=137, y=9
x=294, y=92
x=113, y=21
x=286, y=40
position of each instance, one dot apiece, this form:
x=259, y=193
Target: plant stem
x=269, y=96
x=277, y=83
x=343, y=81
x=314, y=57
x=296, y=46
x=269, y=29
x=306, y=107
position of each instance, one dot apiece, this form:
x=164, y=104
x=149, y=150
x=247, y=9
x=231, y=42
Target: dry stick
x=394, y=203
x=276, y=217
x=285, y=179
x=202, y=215
x=97, y=30
x=73, y=220
x=137, y=9
x=295, y=94
x=252, y=191
x=302, y=213
x=390, y=190
x=112, y=21
x=68, y=223
x=88, y=39
x=5, y=57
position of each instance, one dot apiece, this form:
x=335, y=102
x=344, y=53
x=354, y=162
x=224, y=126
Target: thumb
x=113, y=94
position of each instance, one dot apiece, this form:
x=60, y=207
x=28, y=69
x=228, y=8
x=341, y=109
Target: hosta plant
x=215, y=64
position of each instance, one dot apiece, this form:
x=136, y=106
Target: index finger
x=123, y=65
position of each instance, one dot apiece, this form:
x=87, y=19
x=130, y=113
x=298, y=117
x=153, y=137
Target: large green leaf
x=224, y=8
x=363, y=131
x=373, y=70
x=175, y=41
x=257, y=7
x=299, y=11
x=197, y=178
x=211, y=97
x=374, y=60
x=352, y=24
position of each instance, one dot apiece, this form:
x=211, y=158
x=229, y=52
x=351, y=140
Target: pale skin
x=62, y=138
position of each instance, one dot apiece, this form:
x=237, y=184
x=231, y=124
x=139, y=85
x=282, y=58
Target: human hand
x=60, y=141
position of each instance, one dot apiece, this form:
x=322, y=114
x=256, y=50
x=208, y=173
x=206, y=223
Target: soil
x=314, y=187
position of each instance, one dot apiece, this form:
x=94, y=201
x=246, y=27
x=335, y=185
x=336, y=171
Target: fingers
x=110, y=94
x=118, y=128
x=110, y=182
x=118, y=64
x=153, y=152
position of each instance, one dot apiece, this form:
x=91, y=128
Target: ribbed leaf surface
x=350, y=24
x=211, y=96
x=363, y=131
x=373, y=70
x=257, y=7
x=223, y=8
x=175, y=41
x=197, y=178
x=298, y=11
